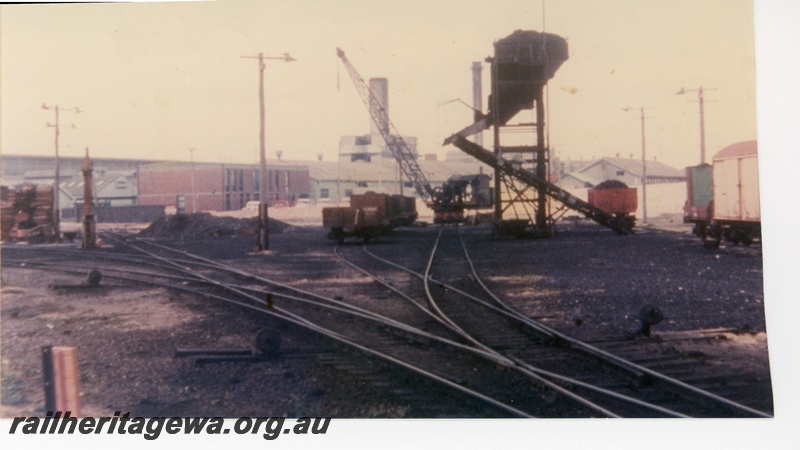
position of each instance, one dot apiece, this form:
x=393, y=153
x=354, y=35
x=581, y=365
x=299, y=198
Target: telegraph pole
x=701, y=101
x=263, y=213
x=644, y=173
x=194, y=191
x=56, y=178
x=644, y=166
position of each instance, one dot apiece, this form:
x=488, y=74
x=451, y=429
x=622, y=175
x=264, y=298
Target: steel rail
x=249, y=275
x=578, y=345
x=491, y=354
x=390, y=287
x=347, y=309
x=508, y=314
x=435, y=307
x=631, y=365
x=532, y=374
x=342, y=307
x=99, y=254
x=528, y=366
x=386, y=320
x=593, y=350
x=365, y=313
x=524, y=367
x=336, y=336
x=103, y=270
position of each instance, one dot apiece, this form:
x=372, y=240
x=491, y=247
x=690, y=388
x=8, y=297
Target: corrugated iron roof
x=73, y=187
x=736, y=150
x=634, y=166
x=583, y=178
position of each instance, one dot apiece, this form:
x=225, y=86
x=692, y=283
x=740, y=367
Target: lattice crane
x=400, y=150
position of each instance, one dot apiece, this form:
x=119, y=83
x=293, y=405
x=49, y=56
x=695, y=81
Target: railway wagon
x=699, y=194
x=403, y=210
x=369, y=215
x=731, y=197
x=615, y=197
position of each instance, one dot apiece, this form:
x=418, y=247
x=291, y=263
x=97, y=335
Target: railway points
x=384, y=344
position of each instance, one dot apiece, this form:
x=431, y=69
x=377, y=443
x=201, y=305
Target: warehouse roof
x=738, y=149
x=583, y=178
x=655, y=169
x=74, y=186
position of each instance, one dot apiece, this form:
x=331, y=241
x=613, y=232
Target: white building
x=336, y=181
x=629, y=171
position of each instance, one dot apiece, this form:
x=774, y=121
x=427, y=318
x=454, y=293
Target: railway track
x=479, y=348
x=357, y=329
x=567, y=367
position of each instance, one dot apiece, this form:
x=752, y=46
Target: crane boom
x=400, y=150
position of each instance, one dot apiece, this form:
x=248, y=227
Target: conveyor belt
x=621, y=225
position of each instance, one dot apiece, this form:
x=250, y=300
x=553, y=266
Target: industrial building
x=336, y=181
x=628, y=171
x=219, y=187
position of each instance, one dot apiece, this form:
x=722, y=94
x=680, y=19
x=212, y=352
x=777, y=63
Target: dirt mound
x=204, y=224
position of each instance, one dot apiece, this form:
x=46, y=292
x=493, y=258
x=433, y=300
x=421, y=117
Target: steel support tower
x=522, y=65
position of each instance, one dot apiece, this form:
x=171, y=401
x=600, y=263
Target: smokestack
x=477, y=93
x=380, y=88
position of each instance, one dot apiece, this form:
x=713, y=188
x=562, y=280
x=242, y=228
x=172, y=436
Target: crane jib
x=406, y=159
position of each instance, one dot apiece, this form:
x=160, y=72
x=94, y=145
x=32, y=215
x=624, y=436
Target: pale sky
x=157, y=79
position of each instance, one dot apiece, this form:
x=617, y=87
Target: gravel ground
x=586, y=282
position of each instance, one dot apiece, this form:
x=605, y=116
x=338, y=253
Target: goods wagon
x=616, y=198
x=369, y=215
x=726, y=204
x=699, y=190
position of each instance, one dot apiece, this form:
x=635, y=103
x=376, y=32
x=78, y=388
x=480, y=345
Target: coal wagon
x=368, y=216
x=616, y=198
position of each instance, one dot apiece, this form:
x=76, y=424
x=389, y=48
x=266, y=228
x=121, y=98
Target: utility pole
x=194, y=191
x=56, y=178
x=701, y=101
x=644, y=167
x=263, y=213
x=644, y=173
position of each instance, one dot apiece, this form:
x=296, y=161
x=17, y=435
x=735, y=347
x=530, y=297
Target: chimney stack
x=380, y=88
